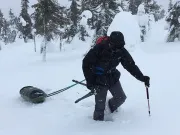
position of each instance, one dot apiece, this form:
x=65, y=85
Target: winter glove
x=146, y=81
x=90, y=86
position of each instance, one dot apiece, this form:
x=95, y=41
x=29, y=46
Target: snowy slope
x=21, y=66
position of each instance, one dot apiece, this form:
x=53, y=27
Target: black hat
x=117, y=39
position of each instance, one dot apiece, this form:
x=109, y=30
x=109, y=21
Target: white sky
x=15, y=5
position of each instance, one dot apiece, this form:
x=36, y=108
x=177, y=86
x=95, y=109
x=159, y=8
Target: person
x=99, y=68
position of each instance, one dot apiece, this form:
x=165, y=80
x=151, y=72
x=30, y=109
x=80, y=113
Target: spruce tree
x=13, y=19
x=173, y=19
x=123, y=4
x=5, y=31
x=27, y=29
x=162, y=14
x=83, y=27
x=74, y=18
x=13, y=24
x=48, y=19
x=170, y=5
x=152, y=7
x=103, y=12
x=1, y=23
x=133, y=6
x=83, y=33
x=104, y=17
x=74, y=13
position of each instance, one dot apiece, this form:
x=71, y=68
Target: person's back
x=99, y=68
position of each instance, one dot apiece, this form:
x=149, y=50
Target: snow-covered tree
x=13, y=22
x=143, y=21
x=103, y=12
x=133, y=6
x=170, y=5
x=5, y=31
x=159, y=15
x=173, y=19
x=152, y=7
x=74, y=18
x=83, y=27
x=74, y=12
x=27, y=28
x=162, y=14
x=48, y=18
x=123, y=4
x=1, y=24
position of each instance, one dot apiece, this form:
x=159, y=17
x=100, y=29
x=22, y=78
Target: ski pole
x=147, y=92
x=61, y=90
x=85, y=96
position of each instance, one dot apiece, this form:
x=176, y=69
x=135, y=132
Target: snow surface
x=59, y=115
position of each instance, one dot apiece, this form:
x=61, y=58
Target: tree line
x=52, y=20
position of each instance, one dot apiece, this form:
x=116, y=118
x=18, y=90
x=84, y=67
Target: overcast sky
x=5, y=5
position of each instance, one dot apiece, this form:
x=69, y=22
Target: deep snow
x=21, y=66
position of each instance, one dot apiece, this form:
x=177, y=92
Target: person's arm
x=129, y=64
x=90, y=61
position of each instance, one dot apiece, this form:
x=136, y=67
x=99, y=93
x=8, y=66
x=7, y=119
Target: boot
x=111, y=108
x=98, y=116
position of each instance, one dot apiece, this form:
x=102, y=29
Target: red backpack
x=102, y=40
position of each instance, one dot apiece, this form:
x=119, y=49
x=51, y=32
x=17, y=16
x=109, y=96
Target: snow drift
x=126, y=23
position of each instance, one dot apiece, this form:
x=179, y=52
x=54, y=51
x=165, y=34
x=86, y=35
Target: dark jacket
x=99, y=65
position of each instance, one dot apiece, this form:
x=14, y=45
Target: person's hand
x=93, y=88
x=89, y=86
x=147, y=81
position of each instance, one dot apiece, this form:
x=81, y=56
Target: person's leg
x=100, y=101
x=119, y=97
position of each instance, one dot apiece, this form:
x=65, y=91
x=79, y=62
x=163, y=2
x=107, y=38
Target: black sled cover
x=33, y=94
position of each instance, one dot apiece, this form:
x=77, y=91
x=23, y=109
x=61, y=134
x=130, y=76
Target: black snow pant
x=117, y=100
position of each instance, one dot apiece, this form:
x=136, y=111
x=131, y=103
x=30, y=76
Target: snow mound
x=141, y=16
x=141, y=9
x=85, y=16
x=126, y=23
